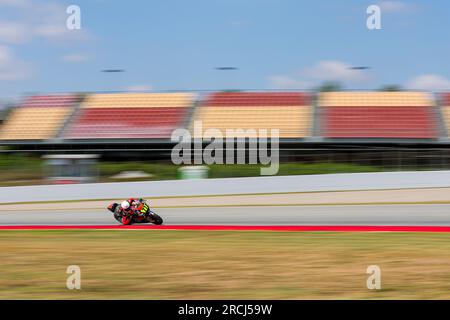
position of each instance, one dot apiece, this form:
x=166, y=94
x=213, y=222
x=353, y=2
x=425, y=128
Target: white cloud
x=13, y=32
x=14, y=3
x=335, y=71
x=76, y=57
x=11, y=68
x=43, y=19
x=429, y=82
x=5, y=55
x=139, y=88
x=50, y=30
x=288, y=82
x=32, y=20
x=323, y=71
x=391, y=6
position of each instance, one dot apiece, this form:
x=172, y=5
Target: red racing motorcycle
x=142, y=214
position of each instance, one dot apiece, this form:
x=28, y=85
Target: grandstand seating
x=445, y=108
x=288, y=112
x=377, y=115
x=129, y=115
x=445, y=99
x=385, y=115
x=38, y=118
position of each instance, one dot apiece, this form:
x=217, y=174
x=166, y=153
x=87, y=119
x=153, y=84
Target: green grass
x=236, y=170
x=159, y=171
x=223, y=265
x=18, y=169
x=23, y=170
x=169, y=171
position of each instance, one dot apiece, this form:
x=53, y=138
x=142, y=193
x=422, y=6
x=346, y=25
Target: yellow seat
x=291, y=121
x=138, y=100
x=377, y=99
x=34, y=123
x=446, y=115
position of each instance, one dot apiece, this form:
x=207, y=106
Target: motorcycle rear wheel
x=155, y=218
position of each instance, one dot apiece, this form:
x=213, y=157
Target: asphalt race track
x=370, y=215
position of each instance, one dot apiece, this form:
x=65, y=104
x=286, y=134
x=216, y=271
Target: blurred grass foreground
x=223, y=265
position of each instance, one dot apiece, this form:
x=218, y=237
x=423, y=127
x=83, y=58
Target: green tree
x=330, y=86
x=391, y=88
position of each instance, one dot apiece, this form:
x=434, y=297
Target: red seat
x=116, y=123
x=378, y=122
x=50, y=101
x=234, y=99
x=445, y=99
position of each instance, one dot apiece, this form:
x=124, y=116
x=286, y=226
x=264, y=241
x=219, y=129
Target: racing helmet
x=125, y=205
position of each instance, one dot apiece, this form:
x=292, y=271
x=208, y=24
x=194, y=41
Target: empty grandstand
x=401, y=115
x=445, y=107
x=39, y=117
x=396, y=129
x=127, y=115
x=290, y=113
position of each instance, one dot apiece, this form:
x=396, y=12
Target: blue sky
x=176, y=45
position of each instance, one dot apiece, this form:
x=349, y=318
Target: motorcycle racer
x=130, y=207
x=134, y=210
